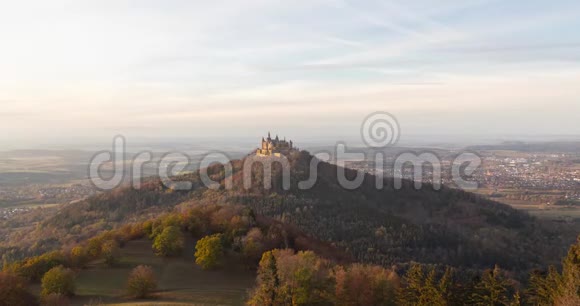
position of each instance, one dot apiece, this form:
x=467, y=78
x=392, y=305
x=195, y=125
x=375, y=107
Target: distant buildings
x=7, y=213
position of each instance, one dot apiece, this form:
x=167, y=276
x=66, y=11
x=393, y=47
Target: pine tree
x=516, y=300
x=430, y=293
x=569, y=286
x=268, y=282
x=410, y=293
x=492, y=289
x=555, y=288
x=542, y=289
x=446, y=286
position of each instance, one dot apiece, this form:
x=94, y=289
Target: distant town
x=21, y=199
x=538, y=180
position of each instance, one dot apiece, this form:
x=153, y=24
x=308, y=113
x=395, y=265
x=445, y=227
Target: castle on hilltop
x=274, y=147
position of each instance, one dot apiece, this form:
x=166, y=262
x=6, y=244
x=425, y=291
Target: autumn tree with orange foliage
x=14, y=291
x=364, y=285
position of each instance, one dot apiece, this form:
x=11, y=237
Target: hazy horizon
x=251, y=141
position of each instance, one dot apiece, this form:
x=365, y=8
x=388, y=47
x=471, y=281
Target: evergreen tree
x=492, y=289
x=410, y=293
x=542, y=289
x=430, y=293
x=516, y=300
x=568, y=292
x=268, y=282
x=446, y=285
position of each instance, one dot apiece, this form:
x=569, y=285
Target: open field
x=180, y=281
x=540, y=210
x=29, y=204
x=556, y=213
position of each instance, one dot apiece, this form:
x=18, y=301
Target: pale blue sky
x=180, y=69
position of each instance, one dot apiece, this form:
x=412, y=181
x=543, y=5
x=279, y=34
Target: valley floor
x=180, y=281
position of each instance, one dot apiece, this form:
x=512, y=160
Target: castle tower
x=275, y=147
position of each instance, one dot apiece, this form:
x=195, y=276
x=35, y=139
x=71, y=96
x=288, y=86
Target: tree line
x=233, y=234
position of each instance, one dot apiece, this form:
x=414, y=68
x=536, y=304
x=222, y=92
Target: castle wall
x=274, y=147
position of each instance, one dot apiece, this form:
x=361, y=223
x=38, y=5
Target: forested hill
x=387, y=226
x=383, y=226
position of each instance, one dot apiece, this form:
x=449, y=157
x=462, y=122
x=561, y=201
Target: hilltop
x=385, y=227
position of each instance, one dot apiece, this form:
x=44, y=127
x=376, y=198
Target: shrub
x=34, y=268
x=169, y=242
x=209, y=251
x=141, y=282
x=253, y=246
x=13, y=291
x=58, y=280
x=78, y=257
x=94, y=247
x=110, y=252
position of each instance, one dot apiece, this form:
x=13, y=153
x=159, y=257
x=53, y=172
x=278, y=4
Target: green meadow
x=180, y=281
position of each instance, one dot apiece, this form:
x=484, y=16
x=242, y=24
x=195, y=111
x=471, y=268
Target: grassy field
x=557, y=213
x=180, y=281
x=540, y=210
